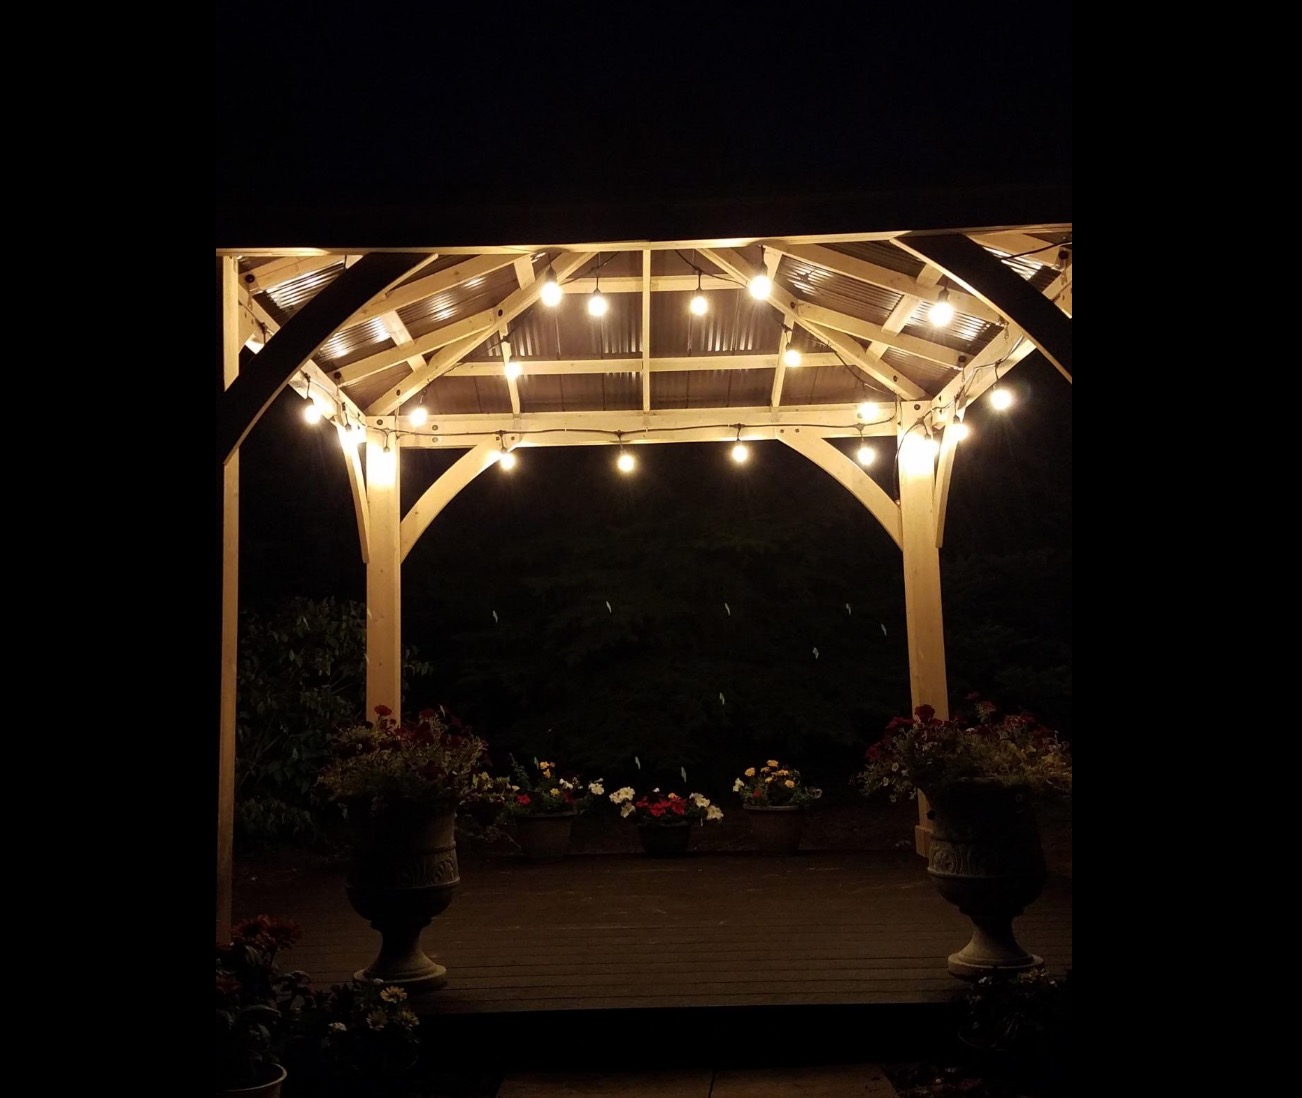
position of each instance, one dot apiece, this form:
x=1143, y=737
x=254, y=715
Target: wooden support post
x=383, y=571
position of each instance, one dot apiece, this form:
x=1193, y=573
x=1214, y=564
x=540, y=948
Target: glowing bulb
x=514, y=369
x=760, y=286
x=791, y=357
x=312, y=413
x=1001, y=399
x=918, y=453
x=551, y=291
x=866, y=455
x=942, y=312
x=958, y=430
x=597, y=305
x=869, y=409
x=507, y=460
x=699, y=305
x=740, y=453
x=383, y=466
x=625, y=463
x=418, y=416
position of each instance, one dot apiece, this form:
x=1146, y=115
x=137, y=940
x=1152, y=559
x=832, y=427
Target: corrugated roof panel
x=450, y=395
x=291, y=296
x=829, y=385
x=736, y=324
x=358, y=342
x=372, y=388
x=929, y=376
x=669, y=390
x=471, y=296
x=822, y=287
x=540, y=393
x=884, y=254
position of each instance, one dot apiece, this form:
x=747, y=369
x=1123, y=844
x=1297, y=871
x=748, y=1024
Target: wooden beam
x=411, y=292
x=646, y=330
x=475, y=324
x=263, y=376
x=678, y=364
x=1027, y=248
x=1001, y=288
x=384, y=577
x=851, y=476
x=660, y=284
x=507, y=310
x=444, y=489
x=876, y=333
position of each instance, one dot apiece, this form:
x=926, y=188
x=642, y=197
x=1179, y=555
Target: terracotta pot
x=776, y=829
x=402, y=873
x=545, y=836
x=986, y=858
x=269, y=1089
x=665, y=840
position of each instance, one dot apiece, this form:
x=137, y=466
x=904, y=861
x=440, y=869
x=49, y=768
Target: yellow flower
x=783, y=772
x=393, y=995
x=789, y=784
x=750, y=772
x=768, y=780
x=376, y=1019
x=773, y=763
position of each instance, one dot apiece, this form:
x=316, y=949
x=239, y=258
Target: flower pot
x=269, y=1089
x=986, y=859
x=402, y=873
x=776, y=829
x=544, y=836
x=665, y=840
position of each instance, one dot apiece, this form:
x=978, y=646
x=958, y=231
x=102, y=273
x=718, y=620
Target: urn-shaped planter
x=665, y=840
x=776, y=829
x=545, y=836
x=986, y=858
x=402, y=873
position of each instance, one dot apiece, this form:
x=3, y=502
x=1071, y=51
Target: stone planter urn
x=776, y=829
x=545, y=836
x=403, y=872
x=986, y=858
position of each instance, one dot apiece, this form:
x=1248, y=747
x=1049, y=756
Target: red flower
x=925, y=713
x=522, y=798
x=383, y=710
x=679, y=807
x=873, y=753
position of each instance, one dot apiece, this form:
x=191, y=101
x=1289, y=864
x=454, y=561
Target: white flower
x=699, y=801
x=714, y=812
x=623, y=796
x=555, y=792
x=566, y=784
x=738, y=786
x=339, y=1027
x=596, y=788
x=626, y=809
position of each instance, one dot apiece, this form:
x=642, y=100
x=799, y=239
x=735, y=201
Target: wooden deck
x=620, y=941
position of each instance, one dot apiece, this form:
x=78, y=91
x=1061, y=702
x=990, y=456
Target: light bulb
x=699, y=305
x=625, y=463
x=551, y=291
x=760, y=287
x=418, y=416
x=312, y=413
x=869, y=409
x=740, y=453
x=507, y=460
x=597, y=304
x=866, y=455
x=791, y=357
x=958, y=430
x=514, y=369
x=1000, y=399
x=918, y=453
x=942, y=312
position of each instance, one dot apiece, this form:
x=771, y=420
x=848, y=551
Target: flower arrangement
x=433, y=762
x=774, y=786
x=664, y=809
x=355, y=1038
x=546, y=789
x=926, y=753
x=256, y=1003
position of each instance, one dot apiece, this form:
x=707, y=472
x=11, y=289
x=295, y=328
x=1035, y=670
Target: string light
x=1000, y=399
x=513, y=368
x=869, y=409
x=941, y=312
x=624, y=463
x=699, y=305
x=551, y=289
x=312, y=413
x=739, y=451
x=866, y=454
x=760, y=286
x=507, y=459
x=419, y=414
x=791, y=356
x=597, y=305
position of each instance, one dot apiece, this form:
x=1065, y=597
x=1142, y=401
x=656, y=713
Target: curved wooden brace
x=851, y=477
x=262, y=376
x=439, y=494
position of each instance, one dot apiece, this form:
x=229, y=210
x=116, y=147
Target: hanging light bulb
x=419, y=414
x=941, y=312
x=551, y=289
x=791, y=356
x=760, y=285
x=699, y=306
x=959, y=430
x=869, y=409
x=866, y=455
x=1000, y=399
x=918, y=451
x=597, y=305
x=312, y=413
x=625, y=462
x=739, y=451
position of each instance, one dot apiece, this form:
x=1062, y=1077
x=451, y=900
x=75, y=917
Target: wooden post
x=228, y=526
x=383, y=569
x=922, y=603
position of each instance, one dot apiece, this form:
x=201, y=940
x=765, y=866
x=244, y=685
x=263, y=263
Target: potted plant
x=400, y=785
x=256, y=1006
x=774, y=798
x=663, y=818
x=983, y=773
x=543, y=802
x=357, y=1038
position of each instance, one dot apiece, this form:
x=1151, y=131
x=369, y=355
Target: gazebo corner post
x=383, y=567
x=920, y=541
x=227, y=593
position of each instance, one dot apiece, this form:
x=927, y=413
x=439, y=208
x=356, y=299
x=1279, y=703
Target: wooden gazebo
x=827, y=342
